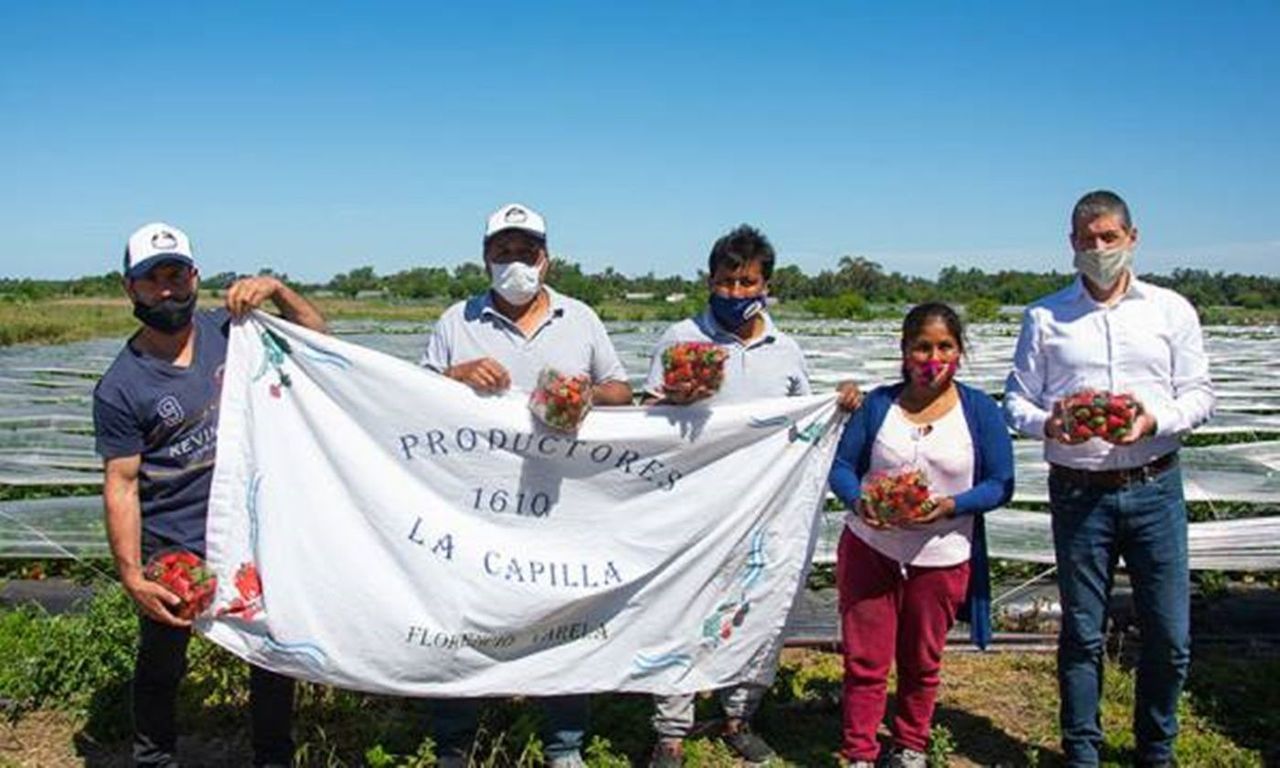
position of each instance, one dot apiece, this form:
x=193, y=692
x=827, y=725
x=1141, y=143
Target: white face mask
x=516, y=282
x=1104, y=268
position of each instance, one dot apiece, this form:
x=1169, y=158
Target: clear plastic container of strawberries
x=896, y=496
x=184, y=574
x=689, y=366
x=1097, y=413
x=561, y=401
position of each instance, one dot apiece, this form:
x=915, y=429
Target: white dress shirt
x=1147, y=344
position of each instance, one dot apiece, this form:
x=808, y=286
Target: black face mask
x=167, y=315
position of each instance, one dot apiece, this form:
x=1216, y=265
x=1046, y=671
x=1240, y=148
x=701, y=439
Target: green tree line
x=845, y=290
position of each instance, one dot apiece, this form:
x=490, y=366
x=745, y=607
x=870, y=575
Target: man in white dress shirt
x=1119, y=497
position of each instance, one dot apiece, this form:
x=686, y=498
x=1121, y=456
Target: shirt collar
x=555, y=307
x=708, y=321
x=1137, y=290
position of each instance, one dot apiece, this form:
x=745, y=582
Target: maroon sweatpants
x=886, y=615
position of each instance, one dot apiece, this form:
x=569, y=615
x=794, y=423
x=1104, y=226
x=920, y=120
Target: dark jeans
x=454, y=724
x=1146, y=524
x=162, y=661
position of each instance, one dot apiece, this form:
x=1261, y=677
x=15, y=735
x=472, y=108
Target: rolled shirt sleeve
x=1024, y=387
x=438, y=354
x=605, y=363
x=1192, y=400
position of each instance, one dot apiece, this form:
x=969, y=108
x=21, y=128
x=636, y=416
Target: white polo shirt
x=570, y=339
x=771, y=365
x=1147, y=344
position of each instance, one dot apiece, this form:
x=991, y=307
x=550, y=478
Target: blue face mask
x=732, y=313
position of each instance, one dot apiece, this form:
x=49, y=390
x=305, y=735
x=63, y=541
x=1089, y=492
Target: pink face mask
x=932, y=370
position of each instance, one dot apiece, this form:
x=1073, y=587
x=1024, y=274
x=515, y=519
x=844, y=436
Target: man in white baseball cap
x=514, y=216
x=155, y=244
x=155, y=414
x=499, y=340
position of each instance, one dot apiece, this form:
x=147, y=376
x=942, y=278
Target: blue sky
x=315, y=137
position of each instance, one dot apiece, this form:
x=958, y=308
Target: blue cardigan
x=992, y=480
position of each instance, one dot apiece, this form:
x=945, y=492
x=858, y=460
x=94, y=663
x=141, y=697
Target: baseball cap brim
x=151, y=262
x=537, y=235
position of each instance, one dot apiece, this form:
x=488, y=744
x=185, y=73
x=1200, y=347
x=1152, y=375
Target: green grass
x=1240, y=316
x=993, y=709
x=58, y=321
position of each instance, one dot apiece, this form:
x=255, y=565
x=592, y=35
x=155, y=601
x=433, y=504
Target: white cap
x=516, y=216
x=155, y=244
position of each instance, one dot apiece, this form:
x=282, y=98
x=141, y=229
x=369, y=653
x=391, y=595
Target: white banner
x=376, y=526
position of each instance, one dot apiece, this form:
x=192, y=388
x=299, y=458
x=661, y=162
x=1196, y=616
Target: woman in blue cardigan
x=902, y=586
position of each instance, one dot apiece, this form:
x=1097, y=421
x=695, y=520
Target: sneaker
x=667, y=753
x=908, y=758
x=751, y=748
x=452, y=761
x=571, y=760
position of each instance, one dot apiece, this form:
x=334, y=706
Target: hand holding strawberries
x=1116, y=418
x=899, y=497
x=692, y=370
x=157, y=602
x=934, y=509
x=177, y=587
x=561, y=401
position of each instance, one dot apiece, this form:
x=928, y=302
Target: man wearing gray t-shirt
x=501, y=340
x=760, y=362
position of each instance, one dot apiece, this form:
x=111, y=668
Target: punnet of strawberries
x=693, y=364
x=184, y=574
x=1096, y=413
x=561, y=401
x=896, y=496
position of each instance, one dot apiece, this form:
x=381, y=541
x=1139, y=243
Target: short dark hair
x=740, y=247
x=1100, y=202
x=923, y=314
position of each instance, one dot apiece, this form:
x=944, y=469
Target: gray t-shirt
x=570, y=339
x=771, y=365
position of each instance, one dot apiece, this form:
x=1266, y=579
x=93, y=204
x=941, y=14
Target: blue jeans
x=1146, y=523
x=454, y=724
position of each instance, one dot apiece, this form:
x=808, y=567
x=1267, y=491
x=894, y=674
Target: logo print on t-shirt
x=170, y=411
x=793, y=386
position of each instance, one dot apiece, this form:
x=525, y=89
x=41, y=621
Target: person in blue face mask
x=760, y=362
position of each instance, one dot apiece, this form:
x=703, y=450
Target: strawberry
x=561, y=401
x=895, y=496
x=186, y=576
x=696, y=363
x=247, y=582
